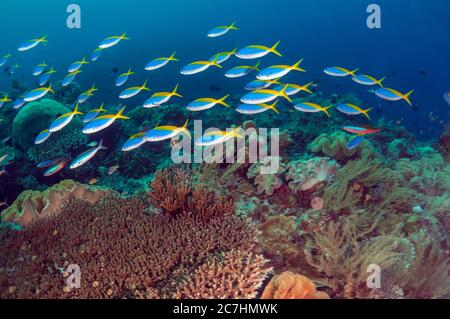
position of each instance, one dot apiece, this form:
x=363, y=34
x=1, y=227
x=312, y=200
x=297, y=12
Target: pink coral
x=307, y=174
x=317, y=203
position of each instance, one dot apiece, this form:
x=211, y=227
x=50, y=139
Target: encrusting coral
x=288, y=285
x=33, y=205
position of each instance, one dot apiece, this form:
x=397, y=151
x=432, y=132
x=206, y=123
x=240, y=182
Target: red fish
x=361, y=130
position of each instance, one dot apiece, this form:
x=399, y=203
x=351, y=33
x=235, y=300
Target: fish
x=4, y=159
x=104, y=121
x=55, y=168
x=293, y=89
x=447, y=97
x=75, y=66
x=221, y=30
x=221, y=57
x=113, y=169
x=135, y=141
x=241, y=70
x=37, y=93
x=45, y=77
x=93, y=113
x=83, y=97
x=355, y=141
x=112, y=41
x=5, y=59
x=160, y=62
x=84, y=157
x=365, y=79
x=161, y=133
x=206, y=103
x=199, y=66
x=4, y=100
x=217, y=137
x=309, y=107
x=278, y=71
x=6, y=139
x=134, y=90
x=352, y=109
x=70, y=77
x=256, y=108
x=123, y=77
x=264, y=96
x=64, y=120
x=96, y=54
x=42, y=137
x=48, y=163
x=259, y=84
x=359, y=130
x=39, y=69
x=92, y=144
x=338, y=71
x=257, y=51
x=393, y=95
x=160, y=98
x=30, y=44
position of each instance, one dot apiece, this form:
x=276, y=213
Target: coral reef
x=33, y=205
x=288, y=285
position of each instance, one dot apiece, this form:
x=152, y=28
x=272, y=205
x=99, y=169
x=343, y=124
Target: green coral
x=34, y=118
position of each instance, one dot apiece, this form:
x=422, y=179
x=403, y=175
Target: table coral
x=288, y=285
x=32, y=205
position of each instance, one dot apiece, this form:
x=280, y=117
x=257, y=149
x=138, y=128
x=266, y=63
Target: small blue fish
x=221, y=57
x=42, y=137
x=18, y=103
x=256, y=108
x=365, y=79
x=48, y=163
x=93, y=113
x=264, y=96
x=134, y=90
x=206, y=103
x=83, y=97
x=241, y=70
x=70, y=77
x=278, y=71
x=37, y=93
x=199, y=66
x=221, y=30
x=309, y=107
x=339, y=72
x=45, y=77
x=84, y=157
x=55, y=169
x=218, y=137
x=5, y=59
x=260, y=84
x=352, y=109
x=39, y=69
x=123, y=77
x=92, y=144
x=111, y=41
x=354, y=142
x=64, y=120
x=160, y=98
x=160, y=62
x=28, y=45
x=135, y=141
x=161, y=133
x=104, y=121
x=293, y=89
x=96, y=54
x=75, y=66
x=257, y=51
x=393, y=95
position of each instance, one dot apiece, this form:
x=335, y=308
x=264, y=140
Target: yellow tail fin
x=272, y=107
x=233, y=26
x=306, y=88
x=174, y=92
x=274, y=49
x=256, y=67
x=325, y=110
x=354, y=71
x=120, y=115
x=172, y=57
x=185, y=130
x=366, y=113
x=214, y=63
x=129, y=72
x=144, y=86
x=124, y=37
x=283, y=93
x=406, y=97
x=233, y=132
x=102, y=108
x=380, y=81
x=43, y=39
x=296, y=66
x=222, y=101
x=75, y=111
x=50, y=88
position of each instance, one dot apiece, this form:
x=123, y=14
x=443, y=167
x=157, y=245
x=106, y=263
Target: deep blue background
x=415, y=35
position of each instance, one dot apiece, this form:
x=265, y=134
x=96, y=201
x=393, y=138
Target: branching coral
x=124, y=252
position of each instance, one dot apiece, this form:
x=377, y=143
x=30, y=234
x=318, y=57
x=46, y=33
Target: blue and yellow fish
x=218, y=137
x=161, y=97
x=39, y=69
x=165, y=132
x=28, y=45
x=83, y=97
x=198, y=66
x=338, y=71
x=278, y=71
x=309, y=107
x=93, y=113
x=257, y=51
x=260, y=84
x=221, y=30
x=96, y=54
x=84, y=157
x=134, y=90
x=18, y=103
x=352, y=109
x=265, y=96
x=112, y=40
x=64, y=120
x=293, y=89
x=70, y=77
x=160, y=62
x=241, y=70
x=5, y=59
x=4, y=100
x=77, y=65
x=103, y=121
x=135, y=141
x=42, y=137
x=368, y=80
x=256, y=108
x=206, y=103
x=393, y=95
x=221, y=57
x=37, y=93
x=123, y=77
x=45, y=77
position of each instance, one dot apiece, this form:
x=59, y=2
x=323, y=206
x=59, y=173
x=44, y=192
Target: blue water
x=415, y=36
